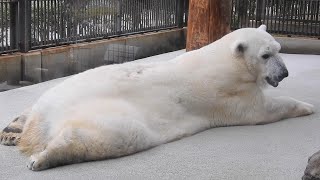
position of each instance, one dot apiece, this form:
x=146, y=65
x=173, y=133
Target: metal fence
x=33, y=24
x=288, y=17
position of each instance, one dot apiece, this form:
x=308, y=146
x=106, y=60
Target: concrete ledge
x=10, y=71
x=46, y=64
x=299, y=45
x=31, y=67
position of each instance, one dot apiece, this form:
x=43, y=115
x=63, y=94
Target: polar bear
x=312, y=171
x=118, y=110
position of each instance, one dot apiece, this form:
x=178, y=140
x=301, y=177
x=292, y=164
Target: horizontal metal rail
x=287, y=17
x=33, y=24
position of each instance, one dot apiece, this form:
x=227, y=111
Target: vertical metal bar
x=283, y=16
x=104, y=22
x=2, y=48
x=6, y=25
x=144, y=19
x=94, y=16
x=264, y=10
x=187, y=12
x=179, y=14
x=249, y=14
x=112, y=12
x=153, y=14
x=157, y=14
x=86, y=20
x=14, y=25
x=108, y=15
x=277, y=16
x=308, y=30
x=162, y=7
x=100, y=17
x=42, y=26
x=312, y=16
x=295, y=17
x=55, y=21
x=232, y=15
x=280, y=4
x=271, y=16
x=52, y=23
x=25, y=25
x=144, y=8
x=74, y=21
x=290, y=16
x=267, y=16
x=258, y=12
x=317, y=22
x=303, y=18
x=90, y=19
x=141, y=16
x=46, y=22
x=37, y=25
x=128, y=17
x=246, y=12
x=59, y=22
x=137, y=16
x=165, y=9
x=33, y=19
x=118, y=18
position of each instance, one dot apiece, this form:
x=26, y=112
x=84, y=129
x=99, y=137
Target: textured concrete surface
x=274, y=151
x=299, y=45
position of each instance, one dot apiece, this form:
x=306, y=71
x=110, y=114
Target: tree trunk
x=208, y=21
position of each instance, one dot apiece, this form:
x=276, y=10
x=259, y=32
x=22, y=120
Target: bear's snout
x=283, y=75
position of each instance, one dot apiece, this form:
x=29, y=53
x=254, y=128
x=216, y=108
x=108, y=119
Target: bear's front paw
x=38, y=162
x=304, y=109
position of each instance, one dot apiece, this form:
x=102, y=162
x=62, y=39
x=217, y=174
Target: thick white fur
x=122, y=109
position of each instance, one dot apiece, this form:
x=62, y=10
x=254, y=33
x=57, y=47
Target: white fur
x=138, y=106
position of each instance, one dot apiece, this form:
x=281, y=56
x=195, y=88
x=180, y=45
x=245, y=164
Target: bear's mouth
x=272, y=82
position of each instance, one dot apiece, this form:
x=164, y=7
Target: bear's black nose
x=285, y=73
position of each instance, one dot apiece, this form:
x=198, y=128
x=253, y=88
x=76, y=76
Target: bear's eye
x=266, y=56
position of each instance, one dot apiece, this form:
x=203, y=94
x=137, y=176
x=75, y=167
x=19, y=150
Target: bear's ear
x=263, y=27
x=238, y=48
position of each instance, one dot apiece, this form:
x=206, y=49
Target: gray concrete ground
x=274, y=151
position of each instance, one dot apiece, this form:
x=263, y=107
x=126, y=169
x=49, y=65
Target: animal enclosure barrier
x=288, y=17
x=34, y=24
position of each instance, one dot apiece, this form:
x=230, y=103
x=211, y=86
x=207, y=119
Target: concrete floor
x=274, y=151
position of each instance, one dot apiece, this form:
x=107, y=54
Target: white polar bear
x=118, y=110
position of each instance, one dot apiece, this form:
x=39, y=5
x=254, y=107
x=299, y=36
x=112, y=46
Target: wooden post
x=208, y=21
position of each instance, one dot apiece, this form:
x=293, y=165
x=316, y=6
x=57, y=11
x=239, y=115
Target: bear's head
x=260, y=53
x=312, y=171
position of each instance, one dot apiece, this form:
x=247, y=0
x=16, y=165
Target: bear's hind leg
x=73, y=145
x=11, y=135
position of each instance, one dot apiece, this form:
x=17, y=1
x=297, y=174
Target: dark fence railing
x=288, y=17
x=32, y=24
x=8, y=27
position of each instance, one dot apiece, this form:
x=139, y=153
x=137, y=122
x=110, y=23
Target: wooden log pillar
x=208, y=21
